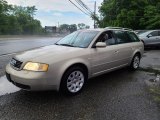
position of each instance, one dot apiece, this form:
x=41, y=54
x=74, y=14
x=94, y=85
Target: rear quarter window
x=133, y=37
x=121, y=37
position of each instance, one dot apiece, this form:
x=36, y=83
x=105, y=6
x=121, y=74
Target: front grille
x=15, y=63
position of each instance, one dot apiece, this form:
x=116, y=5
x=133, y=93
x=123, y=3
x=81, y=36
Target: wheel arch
x=136, y=52
x=68, y=65
x=82, y=65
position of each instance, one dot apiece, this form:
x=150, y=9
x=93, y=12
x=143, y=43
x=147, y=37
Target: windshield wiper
x=66, y=45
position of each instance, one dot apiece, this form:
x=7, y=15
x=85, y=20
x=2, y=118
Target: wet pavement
x=119, y=95
x=22, y=44
x=151, y=59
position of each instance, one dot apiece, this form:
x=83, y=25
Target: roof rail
x=127, y=29
x=121, y=28
x=113, y=27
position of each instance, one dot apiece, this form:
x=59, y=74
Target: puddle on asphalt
x=6, y=87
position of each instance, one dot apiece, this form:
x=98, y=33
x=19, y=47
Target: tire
x=135, y=62
x=73, y=81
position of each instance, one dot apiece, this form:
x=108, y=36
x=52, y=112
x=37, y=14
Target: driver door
x=104, y=59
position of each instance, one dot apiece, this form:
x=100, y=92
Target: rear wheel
x=73, y=81
x=135, y=62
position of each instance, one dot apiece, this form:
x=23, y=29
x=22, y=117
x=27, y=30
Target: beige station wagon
x=66, y=65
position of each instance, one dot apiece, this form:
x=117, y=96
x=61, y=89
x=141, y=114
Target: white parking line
x=6, y=87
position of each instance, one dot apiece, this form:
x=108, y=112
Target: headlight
x=36, y=67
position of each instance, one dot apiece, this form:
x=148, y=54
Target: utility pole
x=58, y=24
x=95, y=13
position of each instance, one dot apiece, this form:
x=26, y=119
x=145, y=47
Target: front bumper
x=28, y=80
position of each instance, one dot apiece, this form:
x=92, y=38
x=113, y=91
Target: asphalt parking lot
x=119, y=95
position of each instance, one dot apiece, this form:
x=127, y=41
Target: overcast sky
x=50, y=12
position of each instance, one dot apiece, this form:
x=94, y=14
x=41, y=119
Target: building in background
x=51, y=29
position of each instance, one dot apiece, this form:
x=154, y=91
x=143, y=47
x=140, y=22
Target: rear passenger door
x=124, y=48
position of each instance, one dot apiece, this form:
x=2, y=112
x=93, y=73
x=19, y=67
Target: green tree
x=72, y=28
x=64, y=27
x=135, y=14
x=13, y=26
x=4, y=9
x=149, y=21
x=83, y=26
x=68, y=28
x=27, y=22
x=18, y=19
x=87, y=26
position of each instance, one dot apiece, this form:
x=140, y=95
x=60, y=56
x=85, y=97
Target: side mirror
x=101, y=45
x=149, y=35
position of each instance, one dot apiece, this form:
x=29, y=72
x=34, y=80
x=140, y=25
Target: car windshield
x=144, y=34
x=141, y=32
x=80, y=39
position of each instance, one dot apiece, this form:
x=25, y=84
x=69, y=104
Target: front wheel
x=135, y=62
x=73, y=81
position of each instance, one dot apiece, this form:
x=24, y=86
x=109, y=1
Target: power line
x=87, y=10
x=92, y=14
x=86, y=6
x=79, y=8
x=83, y=6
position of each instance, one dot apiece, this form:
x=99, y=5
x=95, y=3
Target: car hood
x=44, y=52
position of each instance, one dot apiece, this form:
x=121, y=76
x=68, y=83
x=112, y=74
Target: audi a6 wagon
x=70, y=62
